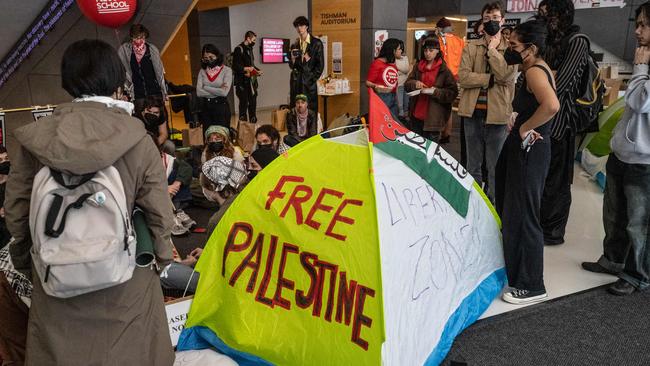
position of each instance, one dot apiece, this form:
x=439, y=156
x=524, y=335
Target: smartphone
x=527, y=142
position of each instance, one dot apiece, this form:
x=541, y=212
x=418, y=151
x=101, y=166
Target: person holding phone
x=306, y=63
x=523, y=164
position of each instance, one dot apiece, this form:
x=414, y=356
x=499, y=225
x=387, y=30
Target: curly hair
x=228, y=149
x=559, y=19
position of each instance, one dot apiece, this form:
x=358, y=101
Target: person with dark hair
x=568, y=57
x=151, y=111
x=431, y=109
x=488, y=85
x=451, y=47
x=523, y=165
x=212, y=86
x=306, y=63
x=246, y=73
x=383, y=76
x=302, y=122
x=268, y=136
x=94, y=132
x=145, y=74
x=257, y=161
x=626, y=205
x=505, y=32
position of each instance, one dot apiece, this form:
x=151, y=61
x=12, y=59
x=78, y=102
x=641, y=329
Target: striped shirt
x=569, y=73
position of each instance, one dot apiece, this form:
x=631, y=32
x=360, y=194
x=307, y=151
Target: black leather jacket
x=305, y=74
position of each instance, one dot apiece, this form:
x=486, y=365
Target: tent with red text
x=370, y=248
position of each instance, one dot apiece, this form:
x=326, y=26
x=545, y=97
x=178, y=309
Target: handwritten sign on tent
x=292, y=275
x=349, y=251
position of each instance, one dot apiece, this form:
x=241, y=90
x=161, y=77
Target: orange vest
x=451, y=47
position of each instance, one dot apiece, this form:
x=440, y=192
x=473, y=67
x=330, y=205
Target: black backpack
x=589, y=102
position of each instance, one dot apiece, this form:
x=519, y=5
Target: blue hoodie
x=631, y=137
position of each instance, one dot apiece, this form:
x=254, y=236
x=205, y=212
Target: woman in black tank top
x=523, y=164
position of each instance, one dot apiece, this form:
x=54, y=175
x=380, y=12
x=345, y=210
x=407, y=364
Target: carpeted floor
x=589, y=328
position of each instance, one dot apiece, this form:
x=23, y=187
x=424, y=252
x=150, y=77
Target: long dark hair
x=388, y=49
x=559, y=23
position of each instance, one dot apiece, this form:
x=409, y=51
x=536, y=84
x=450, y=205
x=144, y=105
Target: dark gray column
x=377, y=15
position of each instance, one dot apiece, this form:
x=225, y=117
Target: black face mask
x=513, y=57
x=215, y=146
x=151, y=119
x=4, y=167
x=211, y=63
x=268, y=146
x=492, y=27
x=252, y=174
x=252, y=44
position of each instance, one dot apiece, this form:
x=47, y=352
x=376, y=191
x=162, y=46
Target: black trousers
x=556, y=201
x=215, y=111
x=247, y=102
x=519, y=180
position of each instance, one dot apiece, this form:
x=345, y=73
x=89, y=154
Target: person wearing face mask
x=523, y=165
x=302, y=122
x=258, y=160
x=488, y=85
x=431, y=109
x=212, y=86
x=217, y=143
x=246, y=73
x=145, y=74
x=151, y=111
x=268, y=136
x=568, y=57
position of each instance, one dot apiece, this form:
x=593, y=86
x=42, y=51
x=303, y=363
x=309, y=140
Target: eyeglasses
x=495, y=18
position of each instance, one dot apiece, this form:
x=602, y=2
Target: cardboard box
x=609, y=72
x=611, y=92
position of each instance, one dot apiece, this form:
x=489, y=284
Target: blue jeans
x=390, y=99
x=626, y=219
x=403, y=101
x=483, y=141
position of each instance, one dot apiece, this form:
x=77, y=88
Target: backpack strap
x=58, y=177
x=54, y=210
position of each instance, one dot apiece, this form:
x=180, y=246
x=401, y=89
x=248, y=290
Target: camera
x=295, y=53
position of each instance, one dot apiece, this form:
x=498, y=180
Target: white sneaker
x=521, y=297
x=185, y=219
x=178, y=228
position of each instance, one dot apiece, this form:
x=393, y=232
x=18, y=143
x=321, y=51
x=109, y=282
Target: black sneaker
x=521, y=297
x=621, y=288
x=597, y=268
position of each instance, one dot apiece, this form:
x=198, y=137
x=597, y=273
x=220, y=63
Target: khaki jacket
x=121, y=325
x=472, y=77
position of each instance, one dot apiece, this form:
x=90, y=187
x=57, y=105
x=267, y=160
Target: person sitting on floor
x=180, y=274
x=302, y=122
x=268, y=136
x=222, y=177
x=258, y=160
x=218, y=143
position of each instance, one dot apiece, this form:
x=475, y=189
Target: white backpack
x=83, y=237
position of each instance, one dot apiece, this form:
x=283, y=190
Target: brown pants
x=13, y=325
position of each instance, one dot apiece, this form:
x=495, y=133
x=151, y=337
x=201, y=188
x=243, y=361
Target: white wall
x=268, y=18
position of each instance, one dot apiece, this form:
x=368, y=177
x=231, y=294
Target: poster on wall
x=512, y=22
x=527, y=6
x=337, y=57
x=40, y=113
x=380, y=37
x=3, y=140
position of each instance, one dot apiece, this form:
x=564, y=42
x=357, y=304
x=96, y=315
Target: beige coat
x=472, y=77
x=121, y=325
